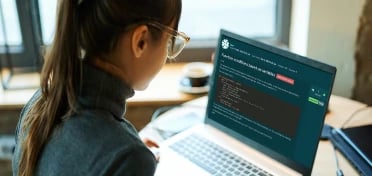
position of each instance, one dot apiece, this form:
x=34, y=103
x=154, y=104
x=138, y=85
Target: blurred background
x=337, y=32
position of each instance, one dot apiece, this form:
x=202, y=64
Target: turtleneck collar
x=100, y=90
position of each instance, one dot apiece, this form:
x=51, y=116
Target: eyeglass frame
x=173, y=33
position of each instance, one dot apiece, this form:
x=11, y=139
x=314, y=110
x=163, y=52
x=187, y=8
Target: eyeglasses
x=177, y=41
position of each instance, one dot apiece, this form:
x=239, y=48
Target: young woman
x=103, y=50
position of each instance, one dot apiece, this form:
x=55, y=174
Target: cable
x=353, y=114
x=326, y=131
x=338, y=169
x=161, y=110
x=158, y=112
x=164, y=109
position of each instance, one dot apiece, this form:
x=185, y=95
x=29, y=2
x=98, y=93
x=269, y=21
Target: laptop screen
x=269, y=98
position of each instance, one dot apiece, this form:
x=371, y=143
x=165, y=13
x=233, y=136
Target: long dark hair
x=92, y=26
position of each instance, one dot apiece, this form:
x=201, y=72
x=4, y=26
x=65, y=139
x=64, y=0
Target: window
x=19, y=41
x=10, y=29
x=48, y=11
x=201, y=20
x=266, y=20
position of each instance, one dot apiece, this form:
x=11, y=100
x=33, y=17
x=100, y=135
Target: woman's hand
x=153, y=146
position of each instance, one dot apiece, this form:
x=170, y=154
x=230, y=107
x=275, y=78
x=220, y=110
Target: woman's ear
x=140, y=38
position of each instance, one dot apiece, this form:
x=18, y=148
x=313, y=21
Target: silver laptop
x=265, y=112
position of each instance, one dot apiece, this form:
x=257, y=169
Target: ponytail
x=59, y=81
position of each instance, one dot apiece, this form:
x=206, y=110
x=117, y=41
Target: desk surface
x=343, y=112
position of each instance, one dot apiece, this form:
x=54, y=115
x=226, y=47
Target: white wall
x=326, y=30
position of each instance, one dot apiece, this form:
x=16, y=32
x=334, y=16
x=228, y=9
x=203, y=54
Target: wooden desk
x=341, y=109
x=162, y=91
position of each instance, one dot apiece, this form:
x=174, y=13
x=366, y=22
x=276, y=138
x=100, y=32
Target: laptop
x=264, y=116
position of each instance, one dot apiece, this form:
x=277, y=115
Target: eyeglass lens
x=175, y=46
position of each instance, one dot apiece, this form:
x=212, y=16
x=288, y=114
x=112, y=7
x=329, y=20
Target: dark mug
x=196, y=74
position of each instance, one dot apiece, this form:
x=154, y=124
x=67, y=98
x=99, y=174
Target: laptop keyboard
x=215, y=159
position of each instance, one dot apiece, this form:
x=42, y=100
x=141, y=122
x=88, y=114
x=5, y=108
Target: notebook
x=265, y=111
x=354, y=143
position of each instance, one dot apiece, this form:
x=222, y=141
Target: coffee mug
x=196, y=75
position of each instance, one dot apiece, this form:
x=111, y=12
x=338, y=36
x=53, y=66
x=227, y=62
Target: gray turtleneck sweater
x=96, y=140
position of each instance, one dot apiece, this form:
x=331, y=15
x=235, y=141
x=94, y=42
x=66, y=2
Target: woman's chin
x=141, y=87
